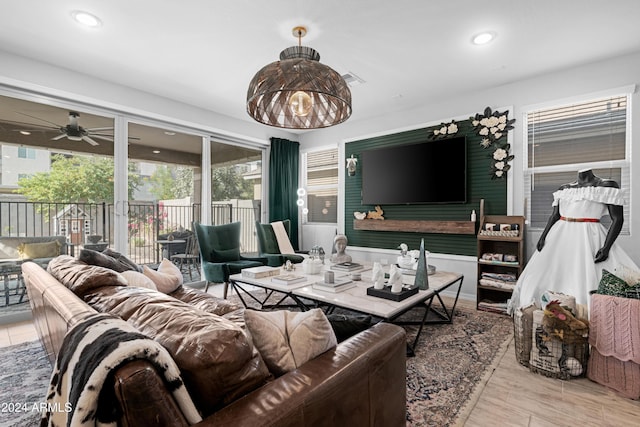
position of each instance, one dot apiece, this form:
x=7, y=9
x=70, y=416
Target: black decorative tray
x=387, y=294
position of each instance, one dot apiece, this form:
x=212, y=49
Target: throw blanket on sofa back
x=93, y=349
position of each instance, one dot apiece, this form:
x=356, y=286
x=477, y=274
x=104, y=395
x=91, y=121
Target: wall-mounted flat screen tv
x=427, y=172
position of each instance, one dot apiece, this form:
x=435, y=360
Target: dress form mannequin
x=586, y=178
x=575, y=248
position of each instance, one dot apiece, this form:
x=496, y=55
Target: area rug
x=452, y=363
x=24, y=374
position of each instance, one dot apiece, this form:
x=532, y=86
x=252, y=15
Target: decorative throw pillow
x=123, y=260
x=92, y=257
x=629, y=275
x=287, y=340
x=81, y=278
x=167, y=278
x=39, y=250
x=610, y=284
x=135, y=278
x=345, y=326
x=633, y=292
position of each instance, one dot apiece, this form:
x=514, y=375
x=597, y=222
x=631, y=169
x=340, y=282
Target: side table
x=12, y=271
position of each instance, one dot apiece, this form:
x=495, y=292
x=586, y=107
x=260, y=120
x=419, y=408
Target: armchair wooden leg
x=206, y=286
x=226, y=289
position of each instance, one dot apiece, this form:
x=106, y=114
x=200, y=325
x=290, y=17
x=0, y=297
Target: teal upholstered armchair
x=220, y=253
x=268, y=245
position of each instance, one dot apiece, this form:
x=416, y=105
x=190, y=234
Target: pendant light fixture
x=298, y=92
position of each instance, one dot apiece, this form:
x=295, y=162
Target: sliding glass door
x=56, y=171
x=164, y=192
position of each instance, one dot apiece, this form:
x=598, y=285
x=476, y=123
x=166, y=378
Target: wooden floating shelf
x=416, y=226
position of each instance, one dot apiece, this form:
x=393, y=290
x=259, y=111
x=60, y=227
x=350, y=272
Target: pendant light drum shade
x=298, y=92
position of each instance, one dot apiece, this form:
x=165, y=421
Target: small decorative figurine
x=395, y=279
x=422, y=275
x=377, y=214
x=377, y=276
x=288, y=266
x=340, y=243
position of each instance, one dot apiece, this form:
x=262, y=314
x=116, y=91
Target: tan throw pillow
x=287, y=340
x=167, y=278
x=39, y=250
x=135, y=278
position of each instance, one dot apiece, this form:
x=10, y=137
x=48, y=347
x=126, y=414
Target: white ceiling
x=205, y=52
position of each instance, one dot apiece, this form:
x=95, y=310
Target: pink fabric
x=614, y=328
x=624, y=377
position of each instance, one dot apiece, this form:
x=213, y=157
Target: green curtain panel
x=284, y=164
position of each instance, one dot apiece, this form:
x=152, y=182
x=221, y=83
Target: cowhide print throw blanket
x=90, y=353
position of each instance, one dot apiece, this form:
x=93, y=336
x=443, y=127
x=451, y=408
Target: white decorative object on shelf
x=360, y=215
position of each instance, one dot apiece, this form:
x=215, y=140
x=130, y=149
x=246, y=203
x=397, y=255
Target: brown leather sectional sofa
x=361, y=382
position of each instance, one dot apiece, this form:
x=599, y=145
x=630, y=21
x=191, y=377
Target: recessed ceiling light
x=166, y=132
x=156, y=151
x=483, y=38
x=25, y=132
x=86, y=19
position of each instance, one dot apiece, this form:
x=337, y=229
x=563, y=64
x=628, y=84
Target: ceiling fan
x=73, y=131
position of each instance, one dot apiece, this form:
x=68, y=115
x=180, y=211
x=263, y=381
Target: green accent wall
x=479, y=186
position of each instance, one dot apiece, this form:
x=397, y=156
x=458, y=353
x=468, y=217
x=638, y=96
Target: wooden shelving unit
x=493, y=298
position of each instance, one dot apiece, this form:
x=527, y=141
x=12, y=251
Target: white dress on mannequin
x=566, y=262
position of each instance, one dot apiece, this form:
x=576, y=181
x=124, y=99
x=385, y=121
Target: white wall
x=559, y=85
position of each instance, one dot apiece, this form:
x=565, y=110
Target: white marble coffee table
x=356, y=298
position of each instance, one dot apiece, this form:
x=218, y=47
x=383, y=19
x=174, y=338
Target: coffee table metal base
x=237, y=286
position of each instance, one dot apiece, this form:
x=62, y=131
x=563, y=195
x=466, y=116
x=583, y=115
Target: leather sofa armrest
x=144, y=398
x=362, y=382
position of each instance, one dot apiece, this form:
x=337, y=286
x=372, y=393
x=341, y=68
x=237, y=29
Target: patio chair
x=268, y=245
x=220, y=253
x=190, y=258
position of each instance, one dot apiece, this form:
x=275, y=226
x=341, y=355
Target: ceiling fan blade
x=99, y=129
x=42, y=127
x=108, y=137
x=89, y=140
x=62, y=135
x=38, y=118
x=103, y=137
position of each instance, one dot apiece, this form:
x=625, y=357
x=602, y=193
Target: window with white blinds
x=565, y=139
x=322, y=186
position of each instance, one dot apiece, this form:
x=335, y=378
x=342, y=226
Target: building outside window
x=563, y=139
x=26, y=153
x=321, y=182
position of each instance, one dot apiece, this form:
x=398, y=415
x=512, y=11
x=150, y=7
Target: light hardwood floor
x=513, y=396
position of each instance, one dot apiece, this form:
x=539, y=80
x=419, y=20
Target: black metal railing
x=147, y=221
